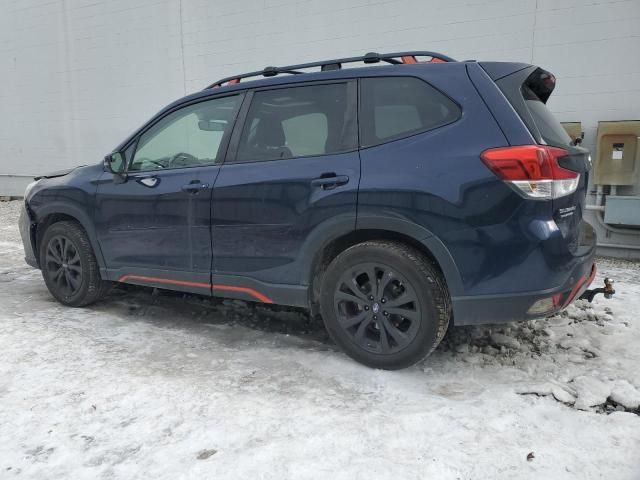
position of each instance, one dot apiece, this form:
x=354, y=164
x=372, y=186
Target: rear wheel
x=69, y=266
x=384, y=304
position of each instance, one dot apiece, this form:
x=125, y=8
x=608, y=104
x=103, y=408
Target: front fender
x=76, y=212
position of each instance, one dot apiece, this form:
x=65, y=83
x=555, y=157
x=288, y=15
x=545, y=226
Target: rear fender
x=422, y=235
x=340, y=227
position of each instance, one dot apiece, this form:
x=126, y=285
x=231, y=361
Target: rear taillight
x=533, y=170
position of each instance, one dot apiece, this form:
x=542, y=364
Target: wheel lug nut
x=384, y=300
x=386, y=314
x=370, y=297
x=366, y=307
x=375, y=317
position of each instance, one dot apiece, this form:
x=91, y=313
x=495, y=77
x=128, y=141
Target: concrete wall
x=79, y=75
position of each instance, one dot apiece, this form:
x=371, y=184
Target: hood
x=57, y=173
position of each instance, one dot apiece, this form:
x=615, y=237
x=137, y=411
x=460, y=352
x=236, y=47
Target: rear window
x=528, y=91
x=397, y=107
x=550, y=129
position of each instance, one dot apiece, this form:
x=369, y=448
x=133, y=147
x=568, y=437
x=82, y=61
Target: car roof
x=400, y=63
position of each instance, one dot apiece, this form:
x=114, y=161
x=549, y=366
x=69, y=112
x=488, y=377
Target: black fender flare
x=79, y=214
x=321, y=236
x=343, y=225
x=422, y=235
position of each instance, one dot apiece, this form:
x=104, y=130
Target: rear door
x=291, y=175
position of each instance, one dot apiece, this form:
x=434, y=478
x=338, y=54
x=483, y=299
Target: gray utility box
x=617, y=159
x=622, y=210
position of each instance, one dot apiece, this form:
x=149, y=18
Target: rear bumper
x=26, y=227
x=484, y=309
x=523, y=306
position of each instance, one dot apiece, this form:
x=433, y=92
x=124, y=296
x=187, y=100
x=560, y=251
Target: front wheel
x=69, y=267
x=385, y=304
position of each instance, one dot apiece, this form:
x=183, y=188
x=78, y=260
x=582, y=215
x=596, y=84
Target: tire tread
x=96, y=288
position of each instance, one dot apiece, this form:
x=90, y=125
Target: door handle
x=195, y=186
x=330, y=181
x=148, y=181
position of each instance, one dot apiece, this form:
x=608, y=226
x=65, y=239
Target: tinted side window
x=298, y=122
x=396, y=107
x=187, y=137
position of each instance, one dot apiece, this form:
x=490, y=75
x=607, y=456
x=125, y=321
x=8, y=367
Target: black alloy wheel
x=63, y=265
x=69, y=266
x=384, y=303
x=377, y=307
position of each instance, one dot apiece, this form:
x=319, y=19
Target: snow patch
x=505, y=341
x=625, y=394
x=152, y=384
x=591, y=392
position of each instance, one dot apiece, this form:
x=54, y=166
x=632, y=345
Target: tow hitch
x=607, y=290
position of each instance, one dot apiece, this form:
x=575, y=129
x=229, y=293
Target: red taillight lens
x=532, y=169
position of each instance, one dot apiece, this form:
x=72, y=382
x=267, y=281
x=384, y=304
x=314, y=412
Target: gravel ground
x=151, y=384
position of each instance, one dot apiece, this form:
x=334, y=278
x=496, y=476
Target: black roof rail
x=397, y=58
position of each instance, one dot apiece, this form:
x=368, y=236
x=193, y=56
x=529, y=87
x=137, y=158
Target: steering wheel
x=181, y=159
x=141, y=164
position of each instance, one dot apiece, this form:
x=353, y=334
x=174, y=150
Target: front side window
x=397, y=107
x=298, y=122
x=188, y=137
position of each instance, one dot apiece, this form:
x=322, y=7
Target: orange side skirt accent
x=168, y=281
x=250, y=291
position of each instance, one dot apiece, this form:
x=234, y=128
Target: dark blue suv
x=391, y=199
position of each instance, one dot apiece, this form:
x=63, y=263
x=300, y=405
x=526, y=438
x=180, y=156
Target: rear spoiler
x=521, y=82
x=498, y=70
x=536, y=79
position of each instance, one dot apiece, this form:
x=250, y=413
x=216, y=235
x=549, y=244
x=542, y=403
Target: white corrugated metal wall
x=79, y=75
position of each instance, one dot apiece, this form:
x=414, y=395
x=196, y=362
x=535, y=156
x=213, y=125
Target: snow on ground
x=156, y=385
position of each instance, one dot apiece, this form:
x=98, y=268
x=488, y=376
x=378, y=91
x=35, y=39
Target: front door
x=291, y=175
x=153, y=224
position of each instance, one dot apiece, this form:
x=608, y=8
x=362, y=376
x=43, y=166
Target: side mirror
x=114, y=163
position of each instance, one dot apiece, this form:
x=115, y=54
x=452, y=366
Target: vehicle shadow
x=171, y=308
x=167, y=308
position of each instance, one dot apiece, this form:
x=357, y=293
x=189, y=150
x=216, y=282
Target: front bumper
x=26, y=227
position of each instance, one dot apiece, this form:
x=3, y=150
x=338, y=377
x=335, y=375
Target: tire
x=394, y=323
x=69, y=266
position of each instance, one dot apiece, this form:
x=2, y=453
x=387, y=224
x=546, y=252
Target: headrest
x=269, y=133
